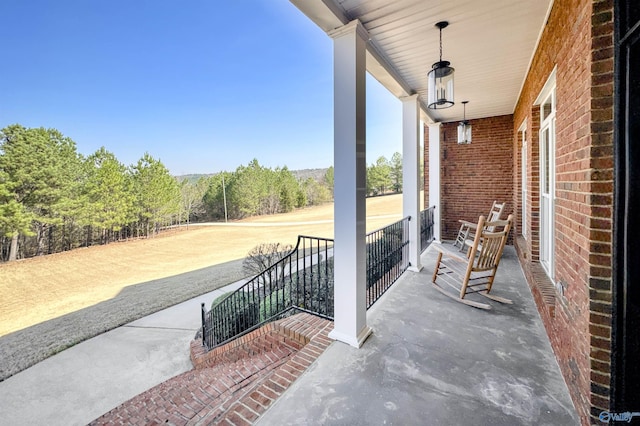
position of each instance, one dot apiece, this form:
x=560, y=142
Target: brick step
x=232, y=384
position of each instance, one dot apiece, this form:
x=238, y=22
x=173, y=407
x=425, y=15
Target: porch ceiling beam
x=382, y=71
x=324, y=13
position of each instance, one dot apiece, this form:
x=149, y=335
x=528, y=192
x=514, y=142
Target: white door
x=547, y=182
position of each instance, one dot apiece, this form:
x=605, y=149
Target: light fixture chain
x=440, y=44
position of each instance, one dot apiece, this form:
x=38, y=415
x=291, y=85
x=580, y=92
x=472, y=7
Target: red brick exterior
x=578, y=41
x=601, y=206
x=474, y=175
x=565, y=45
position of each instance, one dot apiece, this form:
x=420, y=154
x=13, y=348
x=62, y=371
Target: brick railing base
x=232, y=384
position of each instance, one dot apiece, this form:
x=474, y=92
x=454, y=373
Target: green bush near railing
x=274, y=303
x=314, y=288
x=309, y=289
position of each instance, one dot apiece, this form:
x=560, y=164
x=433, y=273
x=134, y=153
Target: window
x=522, y=135
x=547, y=178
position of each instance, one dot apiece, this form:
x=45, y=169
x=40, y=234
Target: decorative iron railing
x=303, y=281
x=426, y=227
x=300, y=281
x=387, y=258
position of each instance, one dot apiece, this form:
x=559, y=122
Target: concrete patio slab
x=433, y=361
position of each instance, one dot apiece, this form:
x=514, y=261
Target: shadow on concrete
x=21, y=349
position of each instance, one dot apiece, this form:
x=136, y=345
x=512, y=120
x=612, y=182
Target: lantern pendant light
x=440, y=94
x=464, y=128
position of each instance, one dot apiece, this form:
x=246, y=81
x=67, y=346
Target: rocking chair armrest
x=450, y=252
x=468, y=224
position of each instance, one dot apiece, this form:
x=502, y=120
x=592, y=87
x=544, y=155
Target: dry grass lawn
x=39, y=289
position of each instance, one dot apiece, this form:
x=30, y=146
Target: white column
x=350, y=173
x=411, y=175
x=434, y=177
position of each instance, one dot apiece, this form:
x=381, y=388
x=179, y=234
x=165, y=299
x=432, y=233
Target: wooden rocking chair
x=467, y=230
x=475, y=272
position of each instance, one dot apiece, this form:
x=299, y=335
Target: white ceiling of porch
x=490, y=44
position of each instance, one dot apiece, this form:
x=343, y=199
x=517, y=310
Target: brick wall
x=474, y=175
x=578, y=40
x=601, y=204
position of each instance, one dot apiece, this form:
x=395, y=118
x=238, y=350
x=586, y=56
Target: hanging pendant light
x=464, y=128
x=440, y=94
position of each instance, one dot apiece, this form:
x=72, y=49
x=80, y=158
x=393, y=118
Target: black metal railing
x=301, y=281
x=426, y=227
x=387, y=258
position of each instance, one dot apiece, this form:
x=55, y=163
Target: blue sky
x=202, y=85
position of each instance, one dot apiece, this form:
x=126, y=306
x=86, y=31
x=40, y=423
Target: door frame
x=625, y=339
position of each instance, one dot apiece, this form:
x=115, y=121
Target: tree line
x=54, y=199
x=254, y=190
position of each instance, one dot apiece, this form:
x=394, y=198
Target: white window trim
x=549, y=86
x=548, y=91
x=524, y=163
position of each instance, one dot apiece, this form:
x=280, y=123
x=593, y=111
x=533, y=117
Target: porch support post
x=411, y=175
x=350, y=172
x=434, y=178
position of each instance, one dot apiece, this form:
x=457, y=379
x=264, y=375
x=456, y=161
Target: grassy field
x=39, y=289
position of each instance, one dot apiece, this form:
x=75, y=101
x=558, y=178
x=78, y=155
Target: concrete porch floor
x=433, y=361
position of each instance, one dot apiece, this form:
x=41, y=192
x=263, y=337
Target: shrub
x=235, y=312
x=274, y=304
x=310, y=289
x=264, y=255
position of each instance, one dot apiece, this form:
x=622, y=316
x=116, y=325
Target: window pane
x=546, y=108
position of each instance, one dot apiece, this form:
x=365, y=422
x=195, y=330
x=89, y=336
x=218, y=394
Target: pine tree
x=157, y=192
x=39, y=169
x=396, y=172
x=108, y=198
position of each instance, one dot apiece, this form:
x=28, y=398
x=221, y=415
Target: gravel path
x=24, y=348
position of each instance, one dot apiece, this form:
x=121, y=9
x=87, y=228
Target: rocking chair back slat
x=466, y=234
x=490, y=249
x=494, y=215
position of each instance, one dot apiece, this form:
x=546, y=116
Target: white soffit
x=490, y=44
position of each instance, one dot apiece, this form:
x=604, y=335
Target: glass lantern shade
x=440, y=91
x=464, y=132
